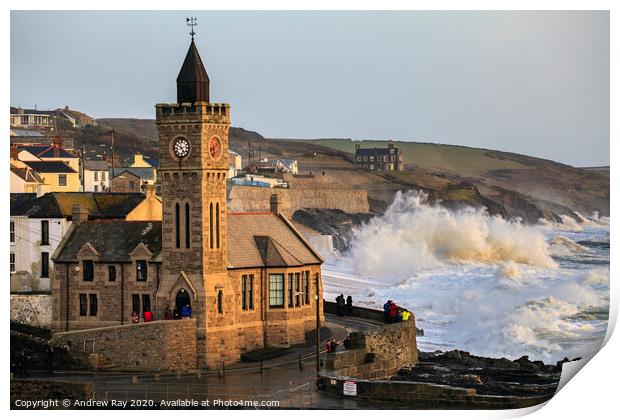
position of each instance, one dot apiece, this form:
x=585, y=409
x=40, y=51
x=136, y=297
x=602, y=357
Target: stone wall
x=423, y=395
x=242, y=198
x=25, y=390
x=35, y=310
x=378, y=352
x=157, y=345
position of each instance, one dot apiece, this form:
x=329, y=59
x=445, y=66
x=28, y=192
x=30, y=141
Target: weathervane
x=191, y=22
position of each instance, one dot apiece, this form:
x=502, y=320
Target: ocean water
x=480, y=283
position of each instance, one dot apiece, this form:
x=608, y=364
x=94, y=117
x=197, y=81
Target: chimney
x=274, y=204
x=357, y=146
x=79, y=213
x=57, y=143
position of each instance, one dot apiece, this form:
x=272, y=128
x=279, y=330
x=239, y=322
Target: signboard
x=349, y=388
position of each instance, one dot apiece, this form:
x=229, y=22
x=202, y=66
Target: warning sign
x=349, y=388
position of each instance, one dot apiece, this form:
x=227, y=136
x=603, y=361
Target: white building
x=96, y=176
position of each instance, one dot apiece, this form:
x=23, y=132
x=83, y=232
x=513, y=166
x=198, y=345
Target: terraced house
x=252, y=280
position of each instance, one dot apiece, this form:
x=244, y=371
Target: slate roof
x=20, y=132
x=376, y=151
x=255, y=240
x=45, y=151
x=142, y=173
x=50, y=167
x=99, y=205
x=104, y=236
x=21, y=202
x=97, y=165
x=263, y=239
x=15, y=111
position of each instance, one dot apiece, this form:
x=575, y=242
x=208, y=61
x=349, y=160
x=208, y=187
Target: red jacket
x=148, y=316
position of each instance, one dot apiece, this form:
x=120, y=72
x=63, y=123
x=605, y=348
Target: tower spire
x=192, y=81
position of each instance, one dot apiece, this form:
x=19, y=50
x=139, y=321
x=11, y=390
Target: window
x=359, y=158
x=45, y=232
x=135, y=304
x=93, y=305
x=88, y=269
x=290, y=290
x=297, y=291
x=220, y=303
x=12, y=231
x=307, y=287
x=12, y=262
x=217, y=224
x=103, y=176
x=131, y=185
x=251, y=291
x=83, y=304
x=111, y=273
x=96, y=176
x=276, y=290
x=45, y=264
x=187, y=237
x=372, y=158
x=177, y=225
x=96, y=188
x=211, y=225
x=62, y=180
x=141, y=270
x=146, y=303
x=244, y=303
x=25, y=120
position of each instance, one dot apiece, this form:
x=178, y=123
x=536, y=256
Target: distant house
x=96, y=175
x=26, y=118
x=130, y=179
x=76, y=118
x=234, y=163
x=38, y=225
x=386, y=159
x=24, y=179
x=53, y=152
x=287, y=166
x=139, y=161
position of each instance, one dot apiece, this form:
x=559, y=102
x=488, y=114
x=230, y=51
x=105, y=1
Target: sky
x=528, y=82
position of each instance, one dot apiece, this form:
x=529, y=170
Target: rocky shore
x=488, y=376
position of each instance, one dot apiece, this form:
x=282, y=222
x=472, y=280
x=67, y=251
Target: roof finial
x=192, y=22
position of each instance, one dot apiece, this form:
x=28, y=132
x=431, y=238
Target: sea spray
x=414, y=235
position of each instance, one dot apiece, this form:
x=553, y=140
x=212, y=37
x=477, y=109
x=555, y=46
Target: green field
x=459, y=160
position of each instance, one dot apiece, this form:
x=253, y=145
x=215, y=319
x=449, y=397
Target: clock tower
x=193, y=165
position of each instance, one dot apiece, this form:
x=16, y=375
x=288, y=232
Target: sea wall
x=35, y=310
x=377, y=352
x=241, y=198
x=157, y=345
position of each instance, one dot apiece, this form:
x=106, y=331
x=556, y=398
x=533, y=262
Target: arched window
x=177, y=225
x=217, y=224
x=211, y=225
x=187, y=235
x=220, y=302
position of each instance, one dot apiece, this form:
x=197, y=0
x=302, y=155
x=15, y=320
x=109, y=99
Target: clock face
x=214, y=147
x=181, y=147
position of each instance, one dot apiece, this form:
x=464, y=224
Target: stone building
x=251, y=278
x=386, y=158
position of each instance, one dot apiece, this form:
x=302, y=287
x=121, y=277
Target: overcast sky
x=529, y=82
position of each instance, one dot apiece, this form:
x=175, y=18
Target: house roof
x=96, y=165
x=256, y=240
x=99, y=205
x=264, y=239
x=192, y=81
x=142, y=173
x=376, y=151
x=20, y=132
x=15, y=111
x=111, y=247
x=45, y=151
x=50, y=167
x=21, y=202
x=27, y=174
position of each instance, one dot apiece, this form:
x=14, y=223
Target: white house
x=96, y=176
